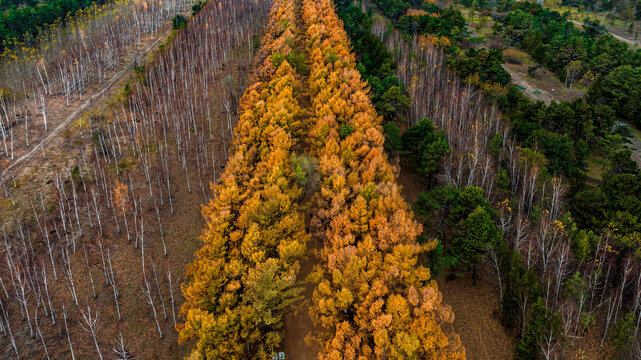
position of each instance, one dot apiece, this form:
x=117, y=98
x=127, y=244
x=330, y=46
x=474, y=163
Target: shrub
x=179, y=22
x=514, y=56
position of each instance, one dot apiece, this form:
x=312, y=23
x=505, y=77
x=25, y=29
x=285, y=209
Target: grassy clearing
x=542, y=79
x=595, y=167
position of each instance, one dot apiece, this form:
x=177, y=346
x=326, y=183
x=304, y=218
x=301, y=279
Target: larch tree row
x=372, y=300
x=105, y=216
x=243, y=280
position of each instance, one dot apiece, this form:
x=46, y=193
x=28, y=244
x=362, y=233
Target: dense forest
x=558, y=139
x=22, y=19
x=254, y=179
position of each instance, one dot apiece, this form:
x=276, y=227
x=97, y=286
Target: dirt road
x=528, y=88
x=633, y=43
x=94, y=96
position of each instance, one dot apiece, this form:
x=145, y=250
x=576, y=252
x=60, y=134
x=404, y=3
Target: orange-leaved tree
x=373, y=299
x=243, y=280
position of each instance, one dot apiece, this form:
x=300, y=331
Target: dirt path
x=105, y=89
x=530, y=90
x=633, y=43
x=636, y=149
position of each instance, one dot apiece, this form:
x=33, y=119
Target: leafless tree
x=171, y=295
x=90, y=325
x=64, y=316
x=69, y=272
x=148, y=297
x=93, y=288
x=4, y=318
x=122, y=353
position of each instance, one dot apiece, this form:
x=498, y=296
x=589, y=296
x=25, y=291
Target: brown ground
x=61, y=114
x=299, y=324
x=476, y=317
x=181, y=231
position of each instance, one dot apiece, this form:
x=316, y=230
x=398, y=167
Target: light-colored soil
x=636, y=149
x=635, y=144
x=619, y=33
x=545, y=87
x=529, y=89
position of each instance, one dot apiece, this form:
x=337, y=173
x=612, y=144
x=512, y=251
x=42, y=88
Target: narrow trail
x=106, y=89
x=633, y=43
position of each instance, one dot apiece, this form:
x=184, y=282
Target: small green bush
x=179, y=22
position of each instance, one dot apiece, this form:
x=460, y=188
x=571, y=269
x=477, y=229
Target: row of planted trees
x=372, y=298
x=550, y=285
x=107, y=220
x=243, y=280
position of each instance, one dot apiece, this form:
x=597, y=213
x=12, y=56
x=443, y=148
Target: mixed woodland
x=246, y=170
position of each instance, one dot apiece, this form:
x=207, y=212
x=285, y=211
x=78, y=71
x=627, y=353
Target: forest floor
x=476, y=318
x=475, y=307
x=544, y=86
x=61, y=114
x=60, y=146
x=63, y=148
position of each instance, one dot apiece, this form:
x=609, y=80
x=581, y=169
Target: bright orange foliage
x=243, y=280
x=374, y=300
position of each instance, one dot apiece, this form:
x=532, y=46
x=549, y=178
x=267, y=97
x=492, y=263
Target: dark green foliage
x=472, y=235
x=448, y=22
x=126, y=90
x=541, y=323
x=520, y=284
x=178, y=22
x=19, y=17
x=503, y=182
x=393, y=143
x=425, y=146
x=439, y=260
x=589, y=208
x=297, y=61
x=554, y=41
x=583, y=245
x=345, y=130
x=468, y=215
x=393, y=104
x=376, y=63
x=620, y=89
x=393, y=9
x=496, y=144
x=593, y=28
x=198, y=6
x=487, y=64
x=624, y=332
x=566, y=133
x=616, y=201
